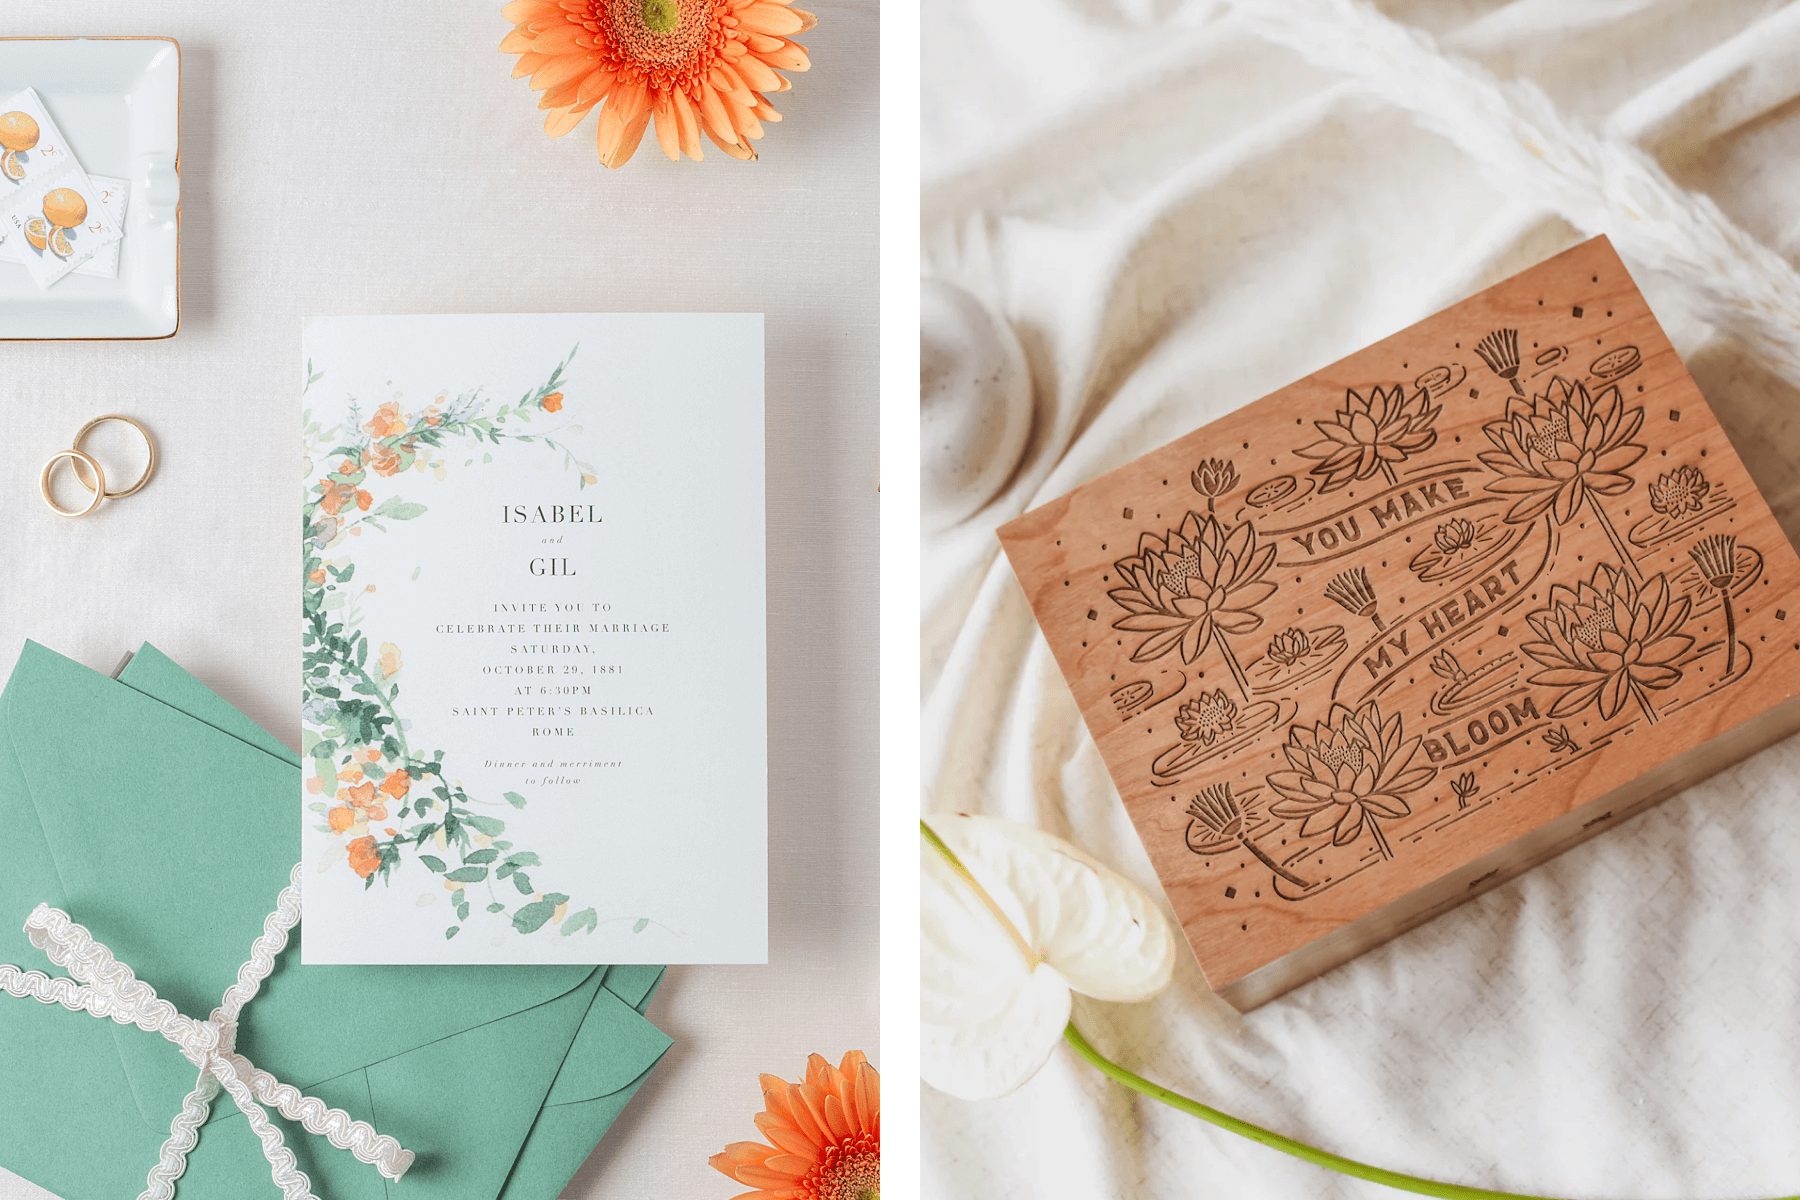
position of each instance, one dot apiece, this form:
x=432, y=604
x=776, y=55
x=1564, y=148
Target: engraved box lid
x=1386, y=637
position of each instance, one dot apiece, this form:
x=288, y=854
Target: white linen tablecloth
x=1178, y=217
x=379, y=158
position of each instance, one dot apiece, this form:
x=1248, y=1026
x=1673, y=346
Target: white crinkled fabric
x=1178, y=215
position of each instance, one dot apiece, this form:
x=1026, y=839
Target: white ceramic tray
x=118, y=102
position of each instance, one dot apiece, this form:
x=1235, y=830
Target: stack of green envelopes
x=165, y=821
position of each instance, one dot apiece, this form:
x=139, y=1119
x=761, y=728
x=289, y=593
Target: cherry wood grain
x=1387, y=637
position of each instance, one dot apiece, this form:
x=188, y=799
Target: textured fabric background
x=350, y=158
x=1176, y=219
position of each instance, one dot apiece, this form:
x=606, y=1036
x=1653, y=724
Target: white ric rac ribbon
x=107, y=988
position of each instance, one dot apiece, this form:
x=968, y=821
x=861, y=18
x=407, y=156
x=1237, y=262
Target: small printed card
x=62, y=220
x=533, y=638
x=113, y=193
x=31, y=146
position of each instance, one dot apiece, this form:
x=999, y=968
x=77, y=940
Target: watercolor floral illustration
x=1192, y=588
x=381, y=799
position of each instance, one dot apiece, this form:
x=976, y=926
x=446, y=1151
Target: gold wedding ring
x=80, y=460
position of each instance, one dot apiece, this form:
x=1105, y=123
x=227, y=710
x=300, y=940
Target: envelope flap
x=614, y=1046
x=172, y=839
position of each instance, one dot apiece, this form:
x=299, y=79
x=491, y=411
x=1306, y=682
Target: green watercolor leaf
x=481, y=856
x=585, y=919
x=487, y=825
x=531, y=917
x=495, y=907
x=522, y=881
x=514, y=799
x=416, y=571
x=523, y=858
x=432, y=861
x=643, y=923
x=467, y=875
x=451, y=932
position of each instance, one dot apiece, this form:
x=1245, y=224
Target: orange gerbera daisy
x=826, y=1133
x=696, y=65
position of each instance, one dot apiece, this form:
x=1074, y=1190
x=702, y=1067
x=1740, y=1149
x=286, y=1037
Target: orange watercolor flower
x=363, y=500
x=364, y=857
x=695, y=65
x=553, y=402
x=336, y=495
x=341, y=818
x=317, y=576
x=396, y=784
x=826, y=1135
x=386, y=422
x=363, y=795
x=377, y=812
x=383, y=460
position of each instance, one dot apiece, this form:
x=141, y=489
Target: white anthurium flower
x=1005, y=939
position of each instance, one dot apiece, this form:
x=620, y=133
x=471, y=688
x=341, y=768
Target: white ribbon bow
x=106, y=988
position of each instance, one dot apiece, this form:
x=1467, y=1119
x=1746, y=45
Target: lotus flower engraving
x=1558, y=739
x=1213, y=478
x=1445, y=666
x=1220, y=823
x=1289, y=646
x=1206, y=716
x=1350, y=770
x=1679, y=492
x=1564, y=448
x=1370, y=435
x=1191, y=588
x=1606, y=641
x=1455, y=534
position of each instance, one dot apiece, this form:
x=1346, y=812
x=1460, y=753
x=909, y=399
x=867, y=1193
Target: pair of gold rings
x=88, y=472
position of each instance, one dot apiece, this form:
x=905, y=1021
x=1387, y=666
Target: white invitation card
x=533, y=628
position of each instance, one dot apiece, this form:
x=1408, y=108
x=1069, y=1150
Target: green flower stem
x=1275, y=1141
x=956, y=864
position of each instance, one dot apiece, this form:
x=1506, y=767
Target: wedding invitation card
x=533, y=626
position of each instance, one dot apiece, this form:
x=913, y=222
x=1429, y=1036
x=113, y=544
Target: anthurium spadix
x=1012, y=919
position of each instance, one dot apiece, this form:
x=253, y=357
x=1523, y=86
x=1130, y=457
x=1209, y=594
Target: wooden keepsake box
x=1392, y=635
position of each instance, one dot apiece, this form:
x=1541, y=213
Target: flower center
x=1591, y=624
x=664, y=37
x=1335, y=754
x=1545, y=438
x=1174, y=580
x=849, y=1173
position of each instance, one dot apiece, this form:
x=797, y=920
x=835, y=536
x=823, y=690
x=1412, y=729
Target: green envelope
x=163, y=819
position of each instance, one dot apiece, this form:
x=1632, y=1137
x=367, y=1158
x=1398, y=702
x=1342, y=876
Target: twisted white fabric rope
x=1599, y=184
x=105, y=987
